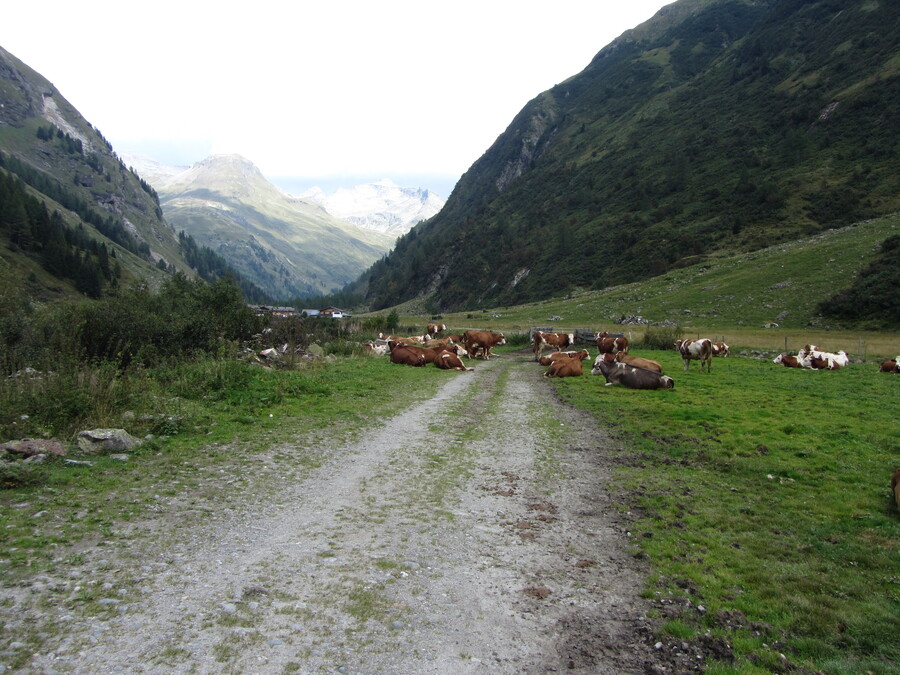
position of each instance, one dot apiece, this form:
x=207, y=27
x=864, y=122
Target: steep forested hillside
x=68, y=205
x=718, y=126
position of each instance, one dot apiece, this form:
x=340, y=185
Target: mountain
x=719, y=126
x=67, y=164
x=382, y=206
x=73, y=217
x=288, y=246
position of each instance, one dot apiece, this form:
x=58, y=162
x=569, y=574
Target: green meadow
x=762, y=494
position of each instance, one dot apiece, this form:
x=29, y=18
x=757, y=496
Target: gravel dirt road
x=473, y=532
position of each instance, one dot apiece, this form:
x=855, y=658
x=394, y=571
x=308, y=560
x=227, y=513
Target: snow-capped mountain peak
x=381, y=205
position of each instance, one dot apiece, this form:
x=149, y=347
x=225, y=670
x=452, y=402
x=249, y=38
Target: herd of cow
x=443, y=352
x=614, y=362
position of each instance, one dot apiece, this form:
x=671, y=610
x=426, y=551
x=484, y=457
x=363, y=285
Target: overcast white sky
x=326, y=92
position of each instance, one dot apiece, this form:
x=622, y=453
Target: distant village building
x=328, y=312
x=263, y=310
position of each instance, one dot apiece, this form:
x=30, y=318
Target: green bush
x=661, y=337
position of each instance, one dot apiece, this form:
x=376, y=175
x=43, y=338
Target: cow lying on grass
x=553, y=356
x=639, y=362
x=891, y=366
x=787, y=361
x=566, y=365
x=618, y=373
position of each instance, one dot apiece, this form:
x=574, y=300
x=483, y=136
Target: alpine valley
x=716, y=128
x=289, y=246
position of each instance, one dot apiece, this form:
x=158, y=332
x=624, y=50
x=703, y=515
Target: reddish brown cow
x=447, y=360
x=787, y=361
x=695, y=350
x=435, y=328
x=558, y=341
x=553, y=356
x=567, y=366
x=611, y=345
x=407, y=356
x=438, y=342
x=431, y=354
x=890, y=366
x=638, y=362
x=481, y=342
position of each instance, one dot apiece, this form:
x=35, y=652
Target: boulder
x=29, y=447
x=104, y=441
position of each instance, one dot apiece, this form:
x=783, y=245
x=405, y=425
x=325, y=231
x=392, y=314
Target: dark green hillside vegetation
x=62, y=251
x=717, y=127
x=68, y=203
x=770, y=527
x=873, y=298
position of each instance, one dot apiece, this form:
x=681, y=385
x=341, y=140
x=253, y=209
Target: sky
x=330, y=93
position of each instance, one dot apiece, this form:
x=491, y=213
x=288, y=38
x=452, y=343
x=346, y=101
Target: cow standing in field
x=618, y=373
x=558, y=341
x=435, y=328
x=639, y=362
x=696, y=350
x=611, y=345
x=481, y=342
x=890, y=366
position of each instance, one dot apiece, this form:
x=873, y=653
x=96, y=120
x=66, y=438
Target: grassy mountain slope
x=779, y=285
x=70, y=166
x=73, y=217
x=288, y=246
x=719, y=126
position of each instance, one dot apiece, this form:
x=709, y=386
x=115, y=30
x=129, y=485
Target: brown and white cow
x=618, y=373
x=720, y=349
x=557, y=341
x=404, y=340
x=611, y=345
x=696, y=350
x=448, y=360
x=820, y=363
x=814, y=358
x=638, y=362
x=376, y=349
x=890, y=366
x=435, y=328
x=480, y=342
x=787, y=361
x=552, y=356
x=568, y=366
x=404, y=355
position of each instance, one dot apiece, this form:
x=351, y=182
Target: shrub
x=661, y=337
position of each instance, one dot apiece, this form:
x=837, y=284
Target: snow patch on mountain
x=383, y=205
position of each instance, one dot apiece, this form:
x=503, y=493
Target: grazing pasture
x=762, y=494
